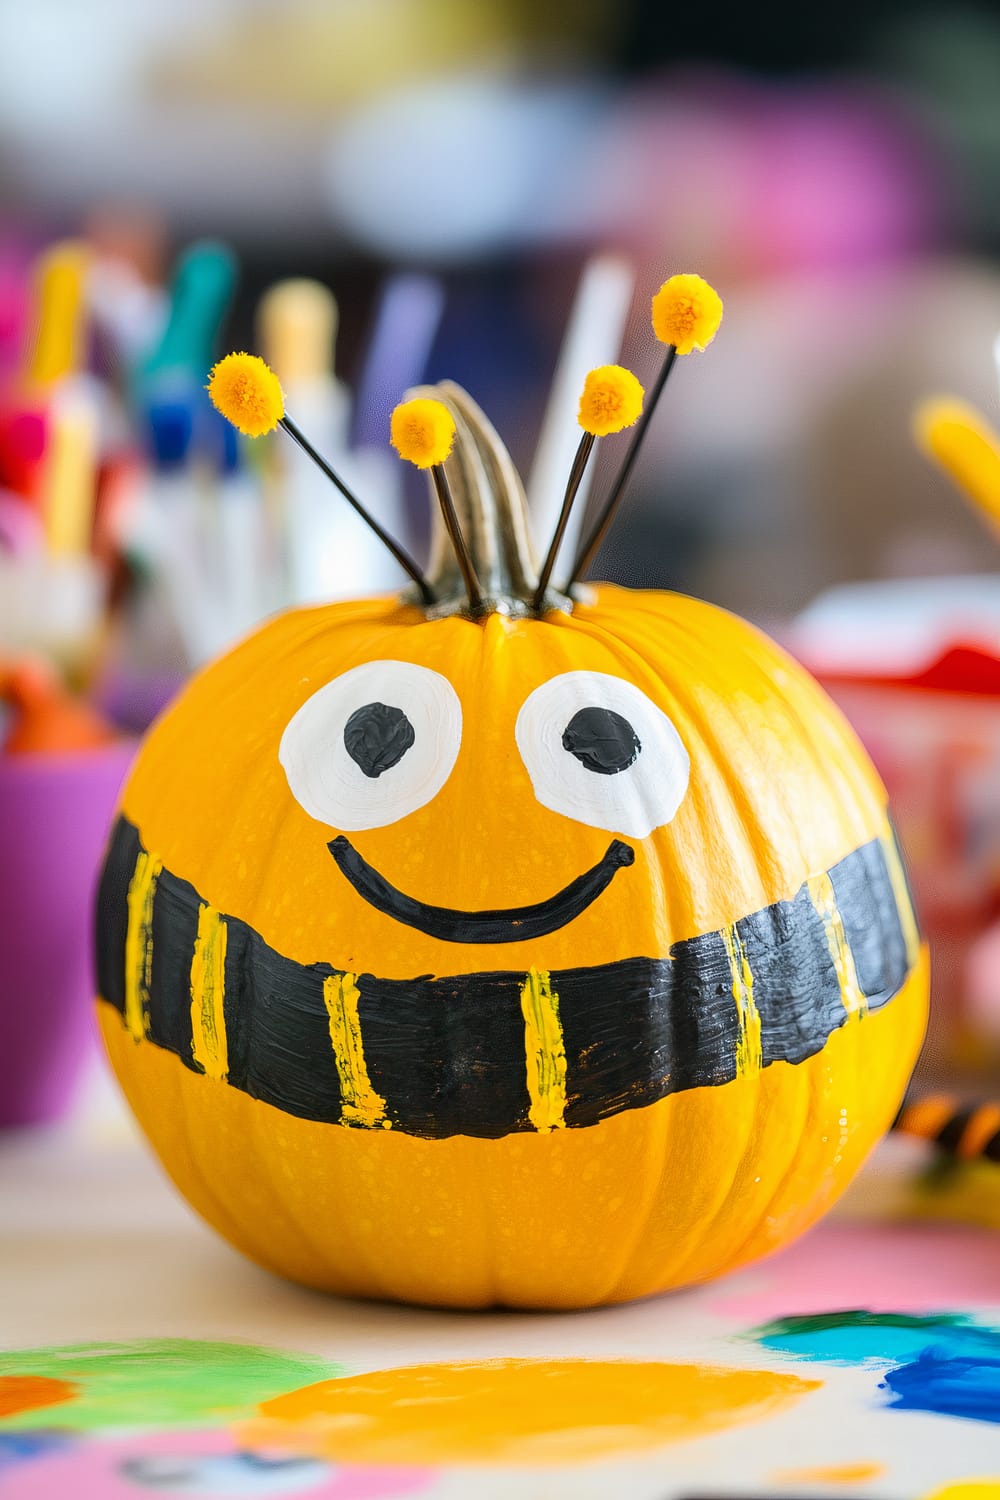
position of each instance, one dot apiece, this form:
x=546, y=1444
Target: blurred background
x=378, y=192
x=839, y=184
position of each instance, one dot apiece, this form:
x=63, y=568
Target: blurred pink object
x=15, y=307
x=21, y=529
x=747, y=178
x=55, y=810
x=197, y=1462
x=915, y=665
x=982, y=973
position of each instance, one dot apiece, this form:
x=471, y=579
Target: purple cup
x=55, y=813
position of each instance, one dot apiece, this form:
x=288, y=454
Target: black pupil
x=377, y=737
x=601, y=740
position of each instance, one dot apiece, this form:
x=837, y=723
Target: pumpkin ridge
x=220, y=1212
x=824, y=765
x=792, y=1132
x=359, y=1252
x=695, y=726
x=773, y=654
x=642, y=1211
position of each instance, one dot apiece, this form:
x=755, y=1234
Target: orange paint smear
x=20, y=1393
x=517, y=1411
x=830, y=1474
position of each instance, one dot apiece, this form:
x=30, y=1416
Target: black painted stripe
x=112, y=906
x=867, y=905
x=447, y=1054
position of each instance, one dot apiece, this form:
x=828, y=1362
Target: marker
x=965, y=446
x=297, y=328
x=60, y=309
x=200, y=294
x=69, y=471
x=406, y=324
x=240, y=551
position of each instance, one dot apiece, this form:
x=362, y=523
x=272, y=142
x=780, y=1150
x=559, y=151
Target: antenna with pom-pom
x=248, y=393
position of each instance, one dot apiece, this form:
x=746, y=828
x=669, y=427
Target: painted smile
x=511, y=925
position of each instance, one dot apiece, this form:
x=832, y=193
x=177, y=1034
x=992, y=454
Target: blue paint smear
x=952, y=1386
x=20, y=1447
x=944, y=1364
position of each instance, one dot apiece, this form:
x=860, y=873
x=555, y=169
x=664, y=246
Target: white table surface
x=95, y=1245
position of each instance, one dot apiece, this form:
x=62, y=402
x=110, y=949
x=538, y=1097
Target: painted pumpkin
x=539, y=961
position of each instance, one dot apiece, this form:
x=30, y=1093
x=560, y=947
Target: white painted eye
x=374, y=744
x=598, y=750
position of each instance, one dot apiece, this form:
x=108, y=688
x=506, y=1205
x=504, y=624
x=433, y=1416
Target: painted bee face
x=381, y=740
x=436, y=871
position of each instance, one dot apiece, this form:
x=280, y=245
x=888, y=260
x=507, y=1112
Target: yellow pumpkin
x=538, y=961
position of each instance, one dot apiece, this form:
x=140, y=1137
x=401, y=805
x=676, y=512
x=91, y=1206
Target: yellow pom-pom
x=248, y=393
x=686, y=313
x=611, y=400
x=423, y=431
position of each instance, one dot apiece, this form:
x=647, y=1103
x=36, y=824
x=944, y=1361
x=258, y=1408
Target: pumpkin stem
x=492, y=517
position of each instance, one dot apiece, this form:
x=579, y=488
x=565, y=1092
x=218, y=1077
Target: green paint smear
x=823, y=1322
x=160, y=1382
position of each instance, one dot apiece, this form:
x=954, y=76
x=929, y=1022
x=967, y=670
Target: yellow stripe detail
x=749, y=1054
x=139, y=942
x=822, y=895
x=209, y=1046
x=904, y=906
x=360, y=1104
x=544, y=1052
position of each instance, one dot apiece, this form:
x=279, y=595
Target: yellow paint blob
x=968, y=1489
x=517, y=1411
x=830, y=1474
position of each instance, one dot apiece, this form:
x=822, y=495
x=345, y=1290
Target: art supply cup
x=55, y=810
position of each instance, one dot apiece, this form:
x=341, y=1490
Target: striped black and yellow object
x=966, y=1131
x=489, y=1054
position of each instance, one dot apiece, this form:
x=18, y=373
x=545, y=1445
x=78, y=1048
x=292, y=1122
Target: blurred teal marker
x=202, y=289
